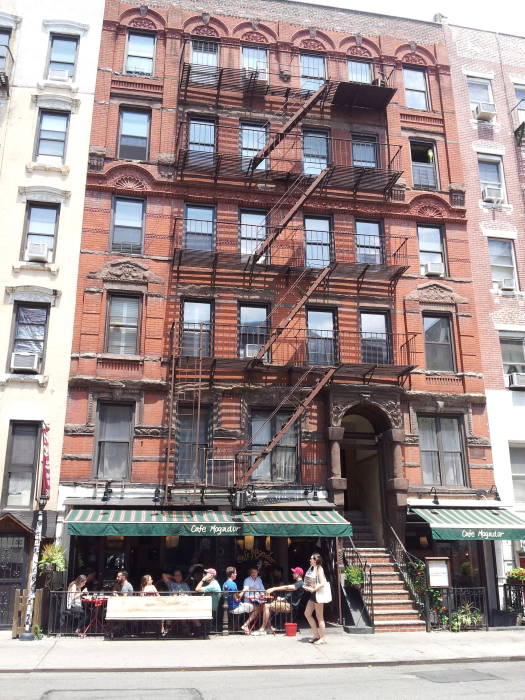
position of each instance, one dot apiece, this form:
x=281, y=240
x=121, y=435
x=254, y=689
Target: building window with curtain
x=364, y=151
x=140, y=54
x=281, y=464
x=255, y=60
x=128, y=225
x=123, y=325
x=29, y=338
x=114, y=441
x=439, y=352
x=359, y=72
x=416, y=93
x=193, y=443
x=517, y=462
x=134, y=134
x=431, y=250
x=21, y=466
x=41, y=230
x=441, y=449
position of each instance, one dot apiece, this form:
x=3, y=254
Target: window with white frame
x=491, y=178
x=204, y=62
x=255, y=60
x=123, y=325
x=51, y=136
x=253, y=139
x=41, y=229
x=313, y=72
x=114, y=441
x=23, y=449
x=512, y=346
x=315, y=152
x=480, y=94
x=517, y=463
x=359, y=72
x=502, y=263
x=431, y=248
x=281, y=463
x=128, y=225
x=441, y=450
x=416, y=95
x=140, y=54
x=62, y=57
x=29, y=337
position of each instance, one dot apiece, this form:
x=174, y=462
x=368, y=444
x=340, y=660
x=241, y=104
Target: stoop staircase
x=393, y=608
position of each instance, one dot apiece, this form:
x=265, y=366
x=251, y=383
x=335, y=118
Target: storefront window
x=464, y=562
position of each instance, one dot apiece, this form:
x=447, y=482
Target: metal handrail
x=367, y=588
x=407, y=564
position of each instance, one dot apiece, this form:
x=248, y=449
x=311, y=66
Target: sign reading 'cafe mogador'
x=482, y=534
x=216, y=529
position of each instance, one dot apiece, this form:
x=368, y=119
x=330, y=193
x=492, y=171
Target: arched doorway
x=363, y=464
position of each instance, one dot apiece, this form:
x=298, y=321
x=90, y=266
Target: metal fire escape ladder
x=276, y=139
x=260, y=456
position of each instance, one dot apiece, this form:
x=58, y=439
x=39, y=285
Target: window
x=512, y=352
x=134, y=134
x=62, y=57
x=517, y=462
x=441, y=449
x=41, y=228
x=204, y=62
x=253, y=139
x=23, y=449
x=253, y=231
x=281, y=463
x=123, y=325
x=51, y=140
x=318, y=241
x=315, y=152
x=196, y=329
x=253, y=329
x=364, y=151
x=312, y=72
x=415, y=81
x=321, y=337
x=438, y=343
x=128, y=225
x=423, y=154
x=376, y=347
x=502, y=264
x=491, y=179
x=114, y=440
x=369, y=242
x=199, y=228
x=431, y=248
x=255, y=59
x=201, y=143
x=141, y=52
x=29, y=337
x=520, y=100
x=359, y=72
x=480, y=93
x=5, y=35
x=193, y=443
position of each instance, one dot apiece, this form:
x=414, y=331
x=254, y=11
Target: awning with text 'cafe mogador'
x=207, y=523
x=472, y=523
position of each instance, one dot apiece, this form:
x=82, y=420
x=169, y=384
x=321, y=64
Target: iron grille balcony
x=371, y=87
x=231, y=244
x=236, y=346
x=6, y=67
x=204, y=151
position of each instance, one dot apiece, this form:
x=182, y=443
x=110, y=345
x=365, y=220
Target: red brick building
x=275, y=303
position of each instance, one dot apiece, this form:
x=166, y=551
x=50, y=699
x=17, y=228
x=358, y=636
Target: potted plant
x=467, y=616
x=516, y=576
x=51, y=559
x=354, y=576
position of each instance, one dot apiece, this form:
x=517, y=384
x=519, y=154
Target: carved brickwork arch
x=205, y=31
x=313, y=40
x=206, y=26
x=129, y=177
x=415, y=55
x=359, y=47
x=382, y=413
x=151, y=21
x=430, y=207
x=255, y=32
x=143, y=23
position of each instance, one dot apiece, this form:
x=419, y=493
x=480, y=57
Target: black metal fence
x=514, y=598
x=70, y=615
x=457, y=609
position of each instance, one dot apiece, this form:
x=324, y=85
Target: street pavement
x=265, y=652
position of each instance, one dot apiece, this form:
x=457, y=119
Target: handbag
x=324, y=594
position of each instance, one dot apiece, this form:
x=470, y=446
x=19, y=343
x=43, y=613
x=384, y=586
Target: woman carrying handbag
x=318, y=587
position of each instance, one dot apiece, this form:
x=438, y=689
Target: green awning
x=472, y=523
x=207, y=523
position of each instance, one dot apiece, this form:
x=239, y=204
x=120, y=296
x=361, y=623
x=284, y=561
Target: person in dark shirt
x=296, y=593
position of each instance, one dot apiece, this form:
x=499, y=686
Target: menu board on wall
x=438, y=572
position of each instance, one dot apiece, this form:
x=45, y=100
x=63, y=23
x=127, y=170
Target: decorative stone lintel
x=41, y=295
x=52, y=269
x=42, y=193
x=40, y=379
x=46, y=100
x=65, y=26
x=47, y=168
x=336, y=433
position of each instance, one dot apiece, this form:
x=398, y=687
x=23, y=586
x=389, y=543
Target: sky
x=506, y=16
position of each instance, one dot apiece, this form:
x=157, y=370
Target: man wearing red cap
x=209, y=584
x=296, y=589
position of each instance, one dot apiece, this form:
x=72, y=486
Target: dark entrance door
x=13, y=549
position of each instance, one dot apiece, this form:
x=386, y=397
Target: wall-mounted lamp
x=156, y=496
x=107, y=492
x=435, y=500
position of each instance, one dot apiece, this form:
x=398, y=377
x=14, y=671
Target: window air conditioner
x=507, y=284
x=485, y=111
x=62, y=75
x=435, y=269
x=517, y=380
x=25, y=362
x=36, y=252
x=251, y=349
x=493, y=194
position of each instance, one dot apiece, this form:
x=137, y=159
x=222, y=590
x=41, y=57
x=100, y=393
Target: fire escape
x=283, y=347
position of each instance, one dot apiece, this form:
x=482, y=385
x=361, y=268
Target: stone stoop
x=394, y=610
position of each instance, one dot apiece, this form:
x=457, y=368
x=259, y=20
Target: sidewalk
x=237, y=652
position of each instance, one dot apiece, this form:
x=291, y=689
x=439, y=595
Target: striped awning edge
x=206, y=523
x=472, y=523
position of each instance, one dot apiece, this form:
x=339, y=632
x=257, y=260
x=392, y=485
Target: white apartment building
x=48, y=66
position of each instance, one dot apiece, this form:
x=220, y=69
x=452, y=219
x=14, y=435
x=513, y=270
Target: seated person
x=75, y=590
x=253, y=586
x=235, y=605
x=122, y=585
x=175, y=582
x=209, y=584
x=146, y=586
x=296, y=593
